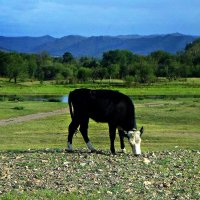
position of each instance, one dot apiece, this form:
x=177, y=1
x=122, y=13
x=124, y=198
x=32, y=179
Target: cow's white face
x=135, y=140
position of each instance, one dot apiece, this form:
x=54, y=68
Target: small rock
x=66, y=163
x=166, y=185
x=109, y=192
x=129, y=190
x=37, y=182
x=179, y=174
x=82, y=164
x=146, y=183
x=146, y=161
x=153, y=155
x=45, y=161
x=51, y=173
x=18, y=157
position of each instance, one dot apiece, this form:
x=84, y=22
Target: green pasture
x=10, y=109
x=187, y=87
x=168, y=123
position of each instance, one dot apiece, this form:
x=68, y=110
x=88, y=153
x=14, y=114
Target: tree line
x=114, y=64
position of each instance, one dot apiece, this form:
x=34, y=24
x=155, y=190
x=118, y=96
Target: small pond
x=64, y=98
x=47, y=98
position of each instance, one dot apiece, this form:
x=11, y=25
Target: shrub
x=128, y=81
x=18, y=108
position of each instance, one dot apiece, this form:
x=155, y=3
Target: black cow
x=108, y=106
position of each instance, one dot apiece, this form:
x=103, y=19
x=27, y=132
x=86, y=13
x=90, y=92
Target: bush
x=128, y=81
x=3, y=98
x=16, y=98
x=18, y=108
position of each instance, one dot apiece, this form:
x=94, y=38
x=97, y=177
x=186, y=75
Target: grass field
x=10, y=109
x=168, y=124
x=189, y=87
x=170, y=143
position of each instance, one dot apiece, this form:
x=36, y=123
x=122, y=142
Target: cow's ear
x=126, y=134
x=141, y=131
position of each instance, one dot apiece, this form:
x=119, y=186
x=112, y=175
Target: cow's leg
x=112, y=132
x=121, y=136
x=71, y=130
x=84, y=132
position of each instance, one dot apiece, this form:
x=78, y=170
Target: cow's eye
x=138, y=141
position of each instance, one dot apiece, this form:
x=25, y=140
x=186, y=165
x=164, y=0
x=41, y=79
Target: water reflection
x=47, y=98
x=64, y=99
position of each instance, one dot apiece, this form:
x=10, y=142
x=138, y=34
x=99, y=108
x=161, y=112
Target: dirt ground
x=31, y=117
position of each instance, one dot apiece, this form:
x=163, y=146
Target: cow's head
x=134, y=137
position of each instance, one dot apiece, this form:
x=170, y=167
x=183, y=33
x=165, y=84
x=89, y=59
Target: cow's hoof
x=137, y=155
x=69, y=150
x=93, y=151
x=123, y=151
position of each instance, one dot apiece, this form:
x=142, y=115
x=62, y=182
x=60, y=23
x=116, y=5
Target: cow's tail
x=70, y=105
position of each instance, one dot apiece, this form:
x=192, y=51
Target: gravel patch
x=155, y=175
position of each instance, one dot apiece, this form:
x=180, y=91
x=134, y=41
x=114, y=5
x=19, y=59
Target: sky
x=59, y=18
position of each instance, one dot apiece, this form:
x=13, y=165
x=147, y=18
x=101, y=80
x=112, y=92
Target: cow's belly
x=99, y=117
x=103, y=112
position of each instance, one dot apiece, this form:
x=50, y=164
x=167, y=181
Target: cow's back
x=104, y=106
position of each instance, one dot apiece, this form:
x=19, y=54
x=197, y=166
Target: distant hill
x=96, y=45
x=4, y=50
x=24, y=44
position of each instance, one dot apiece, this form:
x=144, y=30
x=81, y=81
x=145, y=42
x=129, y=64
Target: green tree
x=145, y=73
x=16, y=67
x=67, y=73
x=191, y=57
x=125, y=59
x=43, y=61
x=98, y=73
x=128, y=80
x=4, y=59
x=32, y=66
x=113, y=71
x=83, y=74
x=195, y=71
x=68, y=57
x=50, y=72
x=162, y=60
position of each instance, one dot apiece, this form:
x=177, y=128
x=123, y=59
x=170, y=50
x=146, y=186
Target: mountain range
x=96, y=45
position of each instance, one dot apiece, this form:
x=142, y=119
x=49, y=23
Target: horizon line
x=106, y=35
